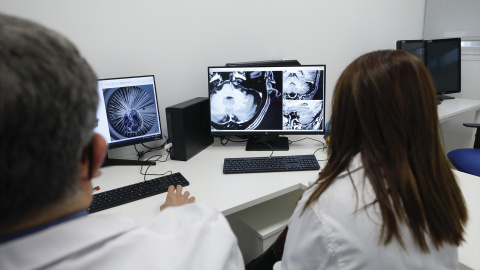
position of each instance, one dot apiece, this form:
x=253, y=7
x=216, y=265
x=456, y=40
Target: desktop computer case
x=188, y=125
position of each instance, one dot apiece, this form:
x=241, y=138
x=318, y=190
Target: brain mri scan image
x=131, y=111
x=302, y=115
x=301, y=84
x=241, y=100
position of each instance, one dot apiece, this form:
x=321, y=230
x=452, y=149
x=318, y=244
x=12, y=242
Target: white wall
x=458, y=18
x=177, y=40
x=452, y=18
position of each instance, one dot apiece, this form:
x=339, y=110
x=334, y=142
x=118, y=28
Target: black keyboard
x=270, y=164
x=134, y=192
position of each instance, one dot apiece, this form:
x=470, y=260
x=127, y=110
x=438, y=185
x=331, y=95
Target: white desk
x=452, y=114
x=453, y=107
x=227, y=193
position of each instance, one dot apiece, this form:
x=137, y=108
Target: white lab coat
x=192, y=236
x=331, y=234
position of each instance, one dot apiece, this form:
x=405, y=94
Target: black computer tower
x=188, y=125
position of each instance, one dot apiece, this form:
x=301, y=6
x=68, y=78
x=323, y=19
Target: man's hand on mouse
x=176, y=198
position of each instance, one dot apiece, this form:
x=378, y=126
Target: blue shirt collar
x=41, y=227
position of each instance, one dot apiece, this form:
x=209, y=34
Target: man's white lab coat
x=192, y=236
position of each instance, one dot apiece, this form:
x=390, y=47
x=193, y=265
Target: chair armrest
x=474, y=125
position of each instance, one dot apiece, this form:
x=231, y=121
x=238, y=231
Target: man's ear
x=92, y=157
x=99, y=151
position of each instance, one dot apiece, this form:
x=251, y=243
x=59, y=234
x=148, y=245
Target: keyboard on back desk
x=134, y=192
x=270, y=164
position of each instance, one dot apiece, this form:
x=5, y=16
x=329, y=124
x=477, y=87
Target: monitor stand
x=126, y=162
x=443, y=97
x=267, y=143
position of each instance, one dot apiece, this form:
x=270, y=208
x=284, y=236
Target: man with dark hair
x=48, y=104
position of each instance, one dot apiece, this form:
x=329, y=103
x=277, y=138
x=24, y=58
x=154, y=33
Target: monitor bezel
x=271, y=132
x=266, y=63
x=459, y=64
x=404, y=41
x=144, y=139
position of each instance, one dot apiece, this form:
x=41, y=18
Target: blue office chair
x=467, y=160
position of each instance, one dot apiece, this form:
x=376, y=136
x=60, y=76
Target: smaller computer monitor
x=128, y=113
x=415, y=47
x=443, y=60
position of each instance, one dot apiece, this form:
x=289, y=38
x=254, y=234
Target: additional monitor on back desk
x=128, y=114
x=264, y=103
x=443, y=60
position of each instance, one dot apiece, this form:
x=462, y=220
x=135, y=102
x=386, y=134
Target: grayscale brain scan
x=302, y=115
x=300, y=84
x=240, y=100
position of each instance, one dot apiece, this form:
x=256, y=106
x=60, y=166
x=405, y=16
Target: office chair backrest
x=476, y=143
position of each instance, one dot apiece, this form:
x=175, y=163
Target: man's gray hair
x=48, y=102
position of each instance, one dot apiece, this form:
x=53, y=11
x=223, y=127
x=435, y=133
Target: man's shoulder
x=186, y=217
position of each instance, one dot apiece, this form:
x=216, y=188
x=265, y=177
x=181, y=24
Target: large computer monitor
x=263, y=103
x=443, y=60
x=442, y=57
x=128, y=114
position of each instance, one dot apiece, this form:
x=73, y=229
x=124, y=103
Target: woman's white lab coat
x=336, y=233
